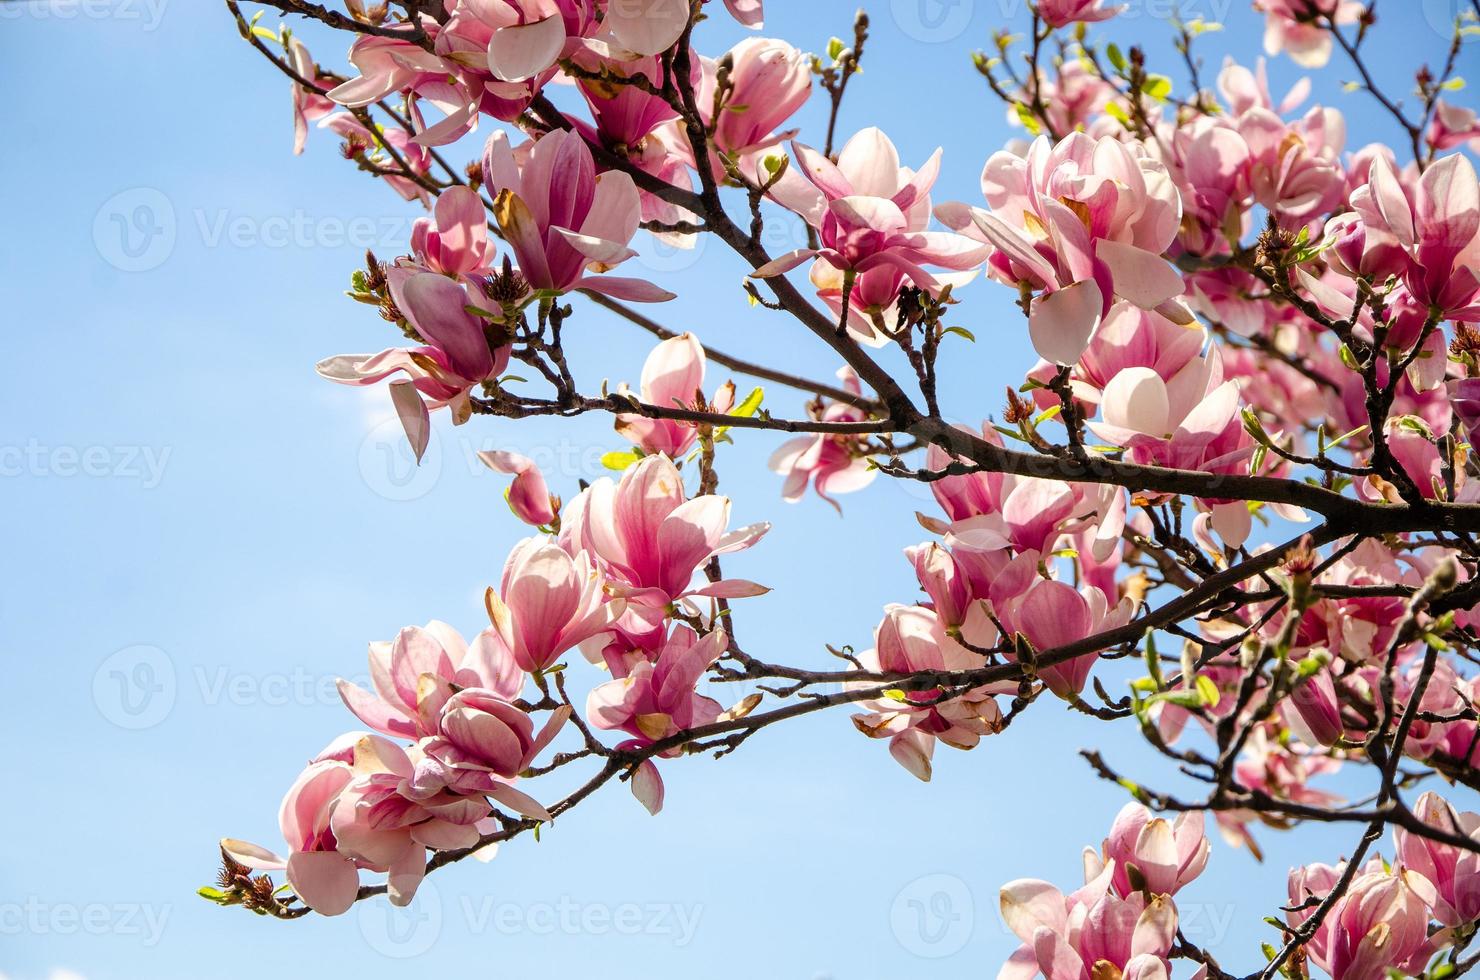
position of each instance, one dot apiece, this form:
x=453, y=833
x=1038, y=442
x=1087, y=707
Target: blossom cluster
x=1245, y=330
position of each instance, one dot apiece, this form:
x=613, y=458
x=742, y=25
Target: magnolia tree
x=1241, y=322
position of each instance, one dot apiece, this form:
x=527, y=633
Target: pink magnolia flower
x=1165, y=855
x=657, y=698
x=454, y=241
x=1199, y=430
x=1292, y=26
x=650, y=27
x=831, y=463
x=867, y=211
x=1090, y=933
x=1053, y=614
x=456, y=359
x=1244, y=89
x=1381, y=923
x=309, y=105
x=1436, y=230
x=388, y=65
x=1080, y=223
x=1060, y=13
x=910, y=639
x=1454, y=873
x=771, y=80
x=437, y=651
x=1294, y=169
x=324, y=879
x=385, y=825
x=1453, y=126
x=672, y=376
x=529, y=496
x=651, y=538
x=562, y=220
x=549, y=603
x=358, y=137
x=483, y=743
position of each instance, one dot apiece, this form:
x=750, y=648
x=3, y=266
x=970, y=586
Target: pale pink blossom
x=548, y=603
x=650, y=538
x=438, y=651
x=1079, y=223
x=672, y=377
x=1163, y=855
x=909, y=639
x=831, y=463
x=324, y=879
x=1454, y=873
x=1297, y=27
x=1090, y=933
x=1380, y=924
x=867, y=211
x=529, y=496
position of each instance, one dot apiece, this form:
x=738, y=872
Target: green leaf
x=835, y=47
x=962, y=331
x=1026, y=117
x=1117, y=59
x=750, y=405
x=1157, y=87
x=620, y=459
x=1208, y=691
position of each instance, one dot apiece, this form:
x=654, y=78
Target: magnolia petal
x=1063, y=322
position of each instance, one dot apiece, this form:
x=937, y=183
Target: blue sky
x=201, y=535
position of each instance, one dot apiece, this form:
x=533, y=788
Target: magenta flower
x=309, y=105
x=913, y=638
x=436, y=651
x=562, y=220
x=1060, y=13
x=1080, y=223
x=868, y=211
x=1454, y=873
x=1435, y=232
x=385, y=825
x=651, y=538
x=657, y=699
x=1381, y=923
x=454, y=241
x=548, y=603
x=771, y=80
x=1165, y=855
x=529, y=496
x=483, y=743
x=324, y=879
x=830, y=463
x=1092, y=933
x=672, y=376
